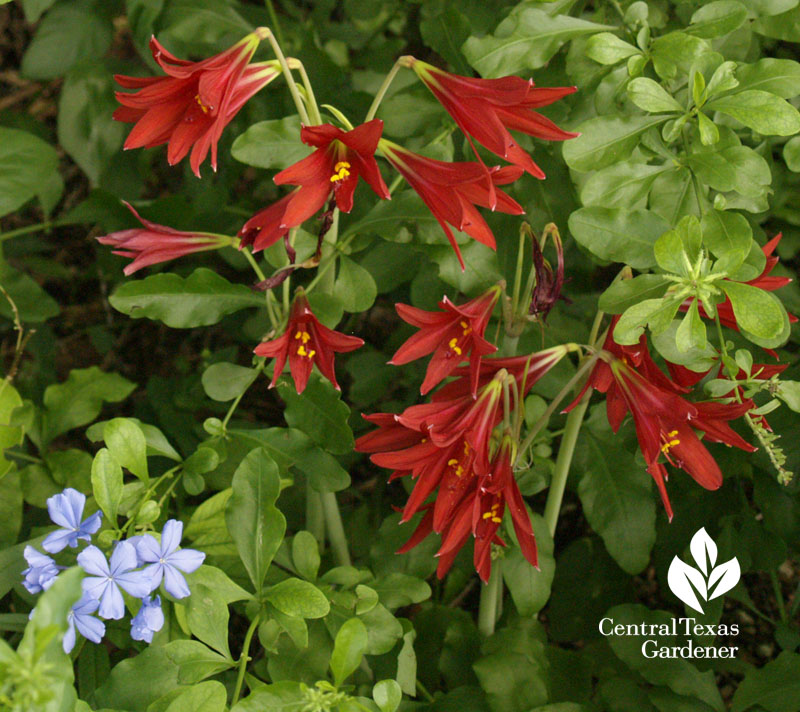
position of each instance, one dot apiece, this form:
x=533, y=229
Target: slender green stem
x=287, y=73
x=28, y=229
x=776, y=587
x=315, y=519
x=335, y=528
x=254, y=264
x=24, y=456
x=565, y=452
x=424, y=690
x=244, y=658
x=490, y=593
x=148, y=493
x=273, y=20
x=695, y=183
x=509, y=345
x=273, y=318
x=518, y=272
x=316, y=117
x=327, y=276
x=376, y=102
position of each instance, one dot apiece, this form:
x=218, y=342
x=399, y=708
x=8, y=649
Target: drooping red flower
x=306, y=342
x=189, y=108
x=485, y=109
x=547, y=290
x=153, y=243
x=452, y=335
x=332, y=170
x=452, y=190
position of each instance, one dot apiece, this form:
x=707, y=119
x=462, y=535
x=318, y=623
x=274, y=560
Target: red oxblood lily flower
x=154, y=243
x=452, y=335
x=333, y=169
x=190, y=107
x=485, y=109
x=452, y=190
x=548, y=284
x=306, y=342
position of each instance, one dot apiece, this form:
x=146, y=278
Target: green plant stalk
x=316, y=117
x=491, y=594
x=335, y=528
x=315, y=519
x=28, y=229
x=326, y=271
x=384, y=87
x=776, y=587
x=287, y=73
x=273, y=18
x=244, y=658
x=563, y=462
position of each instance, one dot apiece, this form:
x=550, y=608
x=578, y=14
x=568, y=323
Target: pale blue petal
x=136, y=583
x=111, y=604
x=171, y=536
x=95, y=586
x=60, y=511
x=93, y=562
x=58, y=540
x=76, y=501
x=91, y=525
x=123, y=558
x=154, y=572
x=90, y=627
x=68, y=643
x=86, y=606
x=148, y=548
x=174, y=583
x=187, y=560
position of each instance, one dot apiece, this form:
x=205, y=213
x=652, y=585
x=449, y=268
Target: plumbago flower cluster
x=138, y=566
x=462, y=448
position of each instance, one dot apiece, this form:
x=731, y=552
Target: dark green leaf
x=298, y=598
x=348, y=650
x=271, y=144
x=761, y=111
x=227, y=381
x=26, y=162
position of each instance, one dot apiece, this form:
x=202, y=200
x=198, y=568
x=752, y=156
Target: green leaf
x=774, y=687
x=209, y=696
x=606, y=48
x=85, y=127
x=354, y=286
x=723, y=79
x=618, y=235
x=298, y=598
x=713, y=169
x=201, y=299
x=791, y=154
x=709, y=133
x=78, y=400
x=387, y=695
x=691, y=334
x=305, y=555
x=526, y=39
x=657, y=313
x=348, y=650
x=729, y=236
x=676, y=51
x=621, y=185
x=626, y=292
x=761, y=111
x=529, y=588
x=26, y=163
x=319, y=413
x=678, y=674
x=397, y=590
x=651, y=96
x=127, y=445
x=10, y=435
x=195, y=660
x=107, y=484
x=69, y=33
x=757, y=312
x=444, y=28
x=789, y=393
x=207, y=616
x=679, y=246
x=283, y=696
x=752, y=173
x=255, y=524
x=227, y=381
x=777, y=76
x=784, y=26
x=271, y=144
x=34, y=8
x=717, y=19
x=607, y=139
x=617, y=501
x=157, y=443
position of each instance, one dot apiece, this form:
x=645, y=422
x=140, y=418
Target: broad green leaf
x=783, y=26
x=679, y=248
x=716, y=19
x=26, y=162
x=723, y=79
x=444, y=28
x=85, y=127
x=789, y=393
x=618, y=235
x=203, y=23
x=319, y=413
x=621, y=185
x=387, y=695
x=107, y=484
x=157, y=443
x=625, y=293
x=69, y=33
x=273, y=144
x=305, y=555
x=354, y=286
x=529, y=587
x=209, y=696
x=201, y=299
x=699, y=360
x=11, y=504
x=10, y=435
x=397, y=590
x=607, y=139
x=777, y=76
x=283, y=696
x=757, y=312
x=713, y=169
x=729, y=236
x=127, y=445
x=195, y=660
x=676, y=51
x=652, y=97
x=752, y=173
x=207, y=617
x=678, y=674
x=709, y=133
x=759, y=110
x=255, y=524
x=606, y=48
x=217, y=580
x=388, y=218
x=348, y=650
x=298, y=598
x=774, y=687
x=791, y=154
x=34, y=8
x=657, y=313
x=123, y=689
x=526, y=39
x=207, y=528
x=691, y=334
x=78, y=400
x=227, y=381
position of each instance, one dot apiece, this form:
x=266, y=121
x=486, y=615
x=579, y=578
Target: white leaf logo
x=707, y=581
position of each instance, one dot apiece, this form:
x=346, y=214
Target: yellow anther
x=340, y=171
x=304, y=335
x=452, y=462
x=466, y=328
x=496, y=520
x=200, y=103
x=311, y=353
x=672, y=433
x=301, y=350
x=452, y=344
x=487, y=515
x=466, y=448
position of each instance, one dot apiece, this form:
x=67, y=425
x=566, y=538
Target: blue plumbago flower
x=41, y=571
x=148, y=620
x=105, y=580
x=66, y=510
x=166, y=561
x=80, y=617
